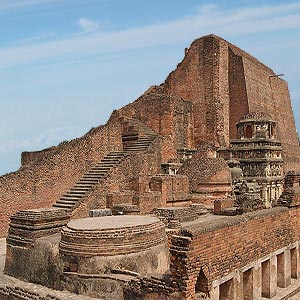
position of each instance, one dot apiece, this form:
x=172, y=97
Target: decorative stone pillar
x=284, y=269
x=248, y=285
x=273, y=196
x=238, y=286
x=295, y=263
x=214, y=293
x=269, y=277
x=257, y=281
x=264, y=192
x=232, y=289
x=227, y=290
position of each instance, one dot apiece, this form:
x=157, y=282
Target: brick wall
x=173, y=188
x=166, y=115
x=133, y=174
x=222, y=246
x=224, y=83
x=196, y=79
x=238, y=93
x=42, y=181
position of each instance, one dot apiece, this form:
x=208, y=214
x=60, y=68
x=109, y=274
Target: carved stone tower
x=259, y=154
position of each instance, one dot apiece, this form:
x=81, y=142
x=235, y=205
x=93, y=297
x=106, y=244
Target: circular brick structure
x=130, y=242
x=111, y=235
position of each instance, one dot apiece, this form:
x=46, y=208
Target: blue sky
x=66, y=64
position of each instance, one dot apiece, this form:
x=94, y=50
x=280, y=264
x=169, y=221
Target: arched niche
x=201, y=286
x=248, y=132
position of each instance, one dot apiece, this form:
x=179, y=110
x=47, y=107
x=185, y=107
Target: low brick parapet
x=28, y=225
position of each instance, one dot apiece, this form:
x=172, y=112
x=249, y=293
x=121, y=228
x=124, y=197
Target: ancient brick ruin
x=189, y=192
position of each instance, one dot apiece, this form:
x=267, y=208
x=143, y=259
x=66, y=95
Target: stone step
x=72, y=195
x=84, y=179
x=115, y=154
x=93, y=178
x=75, y=191
x=82, y=186
x=137, y=145
x=141, y=142
x=97, y=171
x=146, y=138
x=108, y=163
x=88, y=181
x=101, y=174
x=136, y=149
x=95, y=174
x=66, y=202
x=92, y=175
x=69, y=198
x=93, y=181
x=115, y=159
x=100, y=168
x=104, y=166
x=67, y=206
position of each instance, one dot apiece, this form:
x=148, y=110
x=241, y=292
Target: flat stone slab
x=111, y=222
x=37, y=210
x=100, y=212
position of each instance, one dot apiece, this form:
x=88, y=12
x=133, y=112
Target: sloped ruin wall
x=42, y=181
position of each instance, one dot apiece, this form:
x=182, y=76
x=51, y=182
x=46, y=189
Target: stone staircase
x=95, y=175
x=145, y=137
x=72, y=198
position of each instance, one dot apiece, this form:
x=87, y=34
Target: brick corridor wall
x=222, y=246
x=41, y=182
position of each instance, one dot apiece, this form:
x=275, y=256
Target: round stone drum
x=135, y=243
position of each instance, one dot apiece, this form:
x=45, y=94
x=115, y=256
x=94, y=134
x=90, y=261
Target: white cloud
x=87, y=25
x=207, y=8
x=210, y=20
